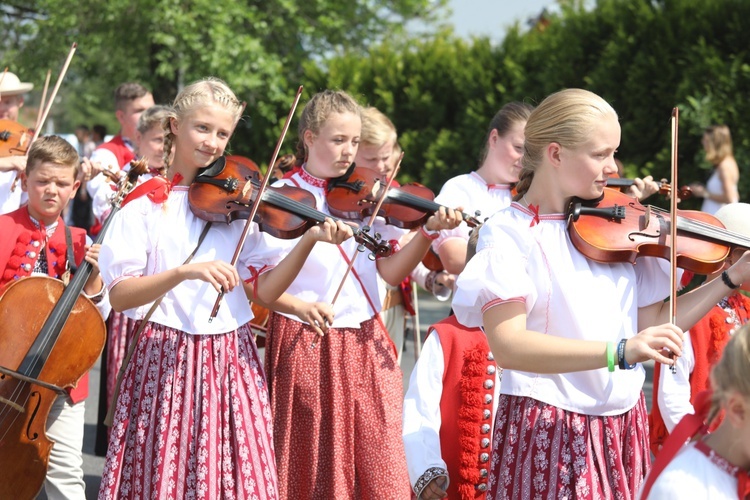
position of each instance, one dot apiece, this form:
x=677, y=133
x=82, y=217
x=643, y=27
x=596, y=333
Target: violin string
x=706, y=229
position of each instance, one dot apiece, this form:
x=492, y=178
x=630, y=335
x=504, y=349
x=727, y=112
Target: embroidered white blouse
x=472, y=193
x=565, y=294
x=146, y=238
x=363, y=293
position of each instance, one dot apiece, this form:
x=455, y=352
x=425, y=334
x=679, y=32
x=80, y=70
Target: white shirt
x=472, y=193
x=674, y=391
x=421, y=414
x=691, y=474
x=11, y=200
x=363, y=293
x=99, y=187
x=715, y=187
x=147, y=238
x=566, y=295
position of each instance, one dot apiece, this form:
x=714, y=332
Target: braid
x=524, y=181
x=300, y=155
x=168, y=140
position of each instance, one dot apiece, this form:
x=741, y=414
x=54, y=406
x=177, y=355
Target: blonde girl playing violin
x=337, y=405
x=192, y=419
x=570, y=333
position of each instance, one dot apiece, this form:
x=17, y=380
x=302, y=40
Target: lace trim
x=428, y=476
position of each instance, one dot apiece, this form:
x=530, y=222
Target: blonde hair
x=504, y=120
x=718, y=143
x=201, y=93
x=52, y=149
x=317, y=110
x=153, y=116
x=377, y=129
x=731, y=372
x=566, y=117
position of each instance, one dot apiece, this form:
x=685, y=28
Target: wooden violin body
x=617, y=228
x=226, y=190
x=355, y=195
x=25, y=306
x=14, y=138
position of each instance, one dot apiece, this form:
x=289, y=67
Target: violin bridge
x=646, y=217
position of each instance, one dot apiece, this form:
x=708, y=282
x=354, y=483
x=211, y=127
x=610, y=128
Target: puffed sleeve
x=261, y=253
x=496, y=274
x=125, y=249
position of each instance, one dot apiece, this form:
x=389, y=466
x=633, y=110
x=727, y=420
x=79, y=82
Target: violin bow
x=263, y=185
x=40, y=123
x=374, y=215
x=43, y=101
x=673, y=231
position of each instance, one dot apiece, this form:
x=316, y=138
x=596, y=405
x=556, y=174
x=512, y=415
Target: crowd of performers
x=531, y=388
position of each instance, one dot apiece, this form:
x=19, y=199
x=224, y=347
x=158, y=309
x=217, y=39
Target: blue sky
x=492, y=17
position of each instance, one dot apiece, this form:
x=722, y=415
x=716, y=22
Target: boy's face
x=50, y=187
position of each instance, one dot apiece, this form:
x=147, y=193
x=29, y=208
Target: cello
x=50, y=337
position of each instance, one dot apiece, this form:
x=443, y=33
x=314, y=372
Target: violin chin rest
x=213, y=169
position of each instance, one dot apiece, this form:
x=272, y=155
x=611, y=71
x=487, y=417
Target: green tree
x=258, y=47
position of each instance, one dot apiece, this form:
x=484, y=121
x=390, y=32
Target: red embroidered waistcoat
x=466, y=408
x=118, y=148
x=19, y=250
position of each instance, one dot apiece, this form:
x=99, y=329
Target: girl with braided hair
x=568, y=421
x=192, y=419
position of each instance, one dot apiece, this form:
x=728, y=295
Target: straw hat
x=735, y=217
x=11, y=85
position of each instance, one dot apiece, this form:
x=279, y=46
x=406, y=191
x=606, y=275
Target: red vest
x=121, y=150
x=466, y=408
x=19, y=251
x=708, y=338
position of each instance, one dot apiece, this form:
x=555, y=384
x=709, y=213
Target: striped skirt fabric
x=337, y=412
x=543, y=452
x=192, y=420
x=119, y=332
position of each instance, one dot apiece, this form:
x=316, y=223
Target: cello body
x=25, y=306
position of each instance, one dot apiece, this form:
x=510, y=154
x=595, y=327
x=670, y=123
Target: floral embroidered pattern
x=428, y=476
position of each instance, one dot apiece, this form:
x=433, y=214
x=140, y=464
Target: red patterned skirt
x=120, y=330
x=337, y=412
x=192, y=420
x=541, y=451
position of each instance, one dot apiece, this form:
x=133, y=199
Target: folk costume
x=11, y=199
x=674, y=394
x=29, y=248
x=449, y=409
x=192, y=419
x=581, y=434
x=473, y=193
x=336, y=406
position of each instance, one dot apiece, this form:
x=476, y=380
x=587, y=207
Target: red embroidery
x=311, y=179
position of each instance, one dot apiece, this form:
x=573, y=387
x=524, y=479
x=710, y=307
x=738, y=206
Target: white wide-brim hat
x=11, y=85
x=735, y=217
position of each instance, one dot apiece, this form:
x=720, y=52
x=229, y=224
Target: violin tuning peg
x=371, y=256
x=478, y=214
x=365, y=228
x=377, y=236
x=360, y=248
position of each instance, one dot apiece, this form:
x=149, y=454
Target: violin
x=617, y=228
x=226, y=190
x=15, y=139
x=354, y=195
x=664, y=187
x=432, y=261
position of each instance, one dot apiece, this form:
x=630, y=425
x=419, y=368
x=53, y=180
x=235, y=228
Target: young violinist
x=674, y=393
x=488, y=188
x=12, y=90
x=192, y=419
x=711, y=465
x=377, y=151
x=131, y=99
x=35, y=242
x=335, y=384
x=569, y=420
